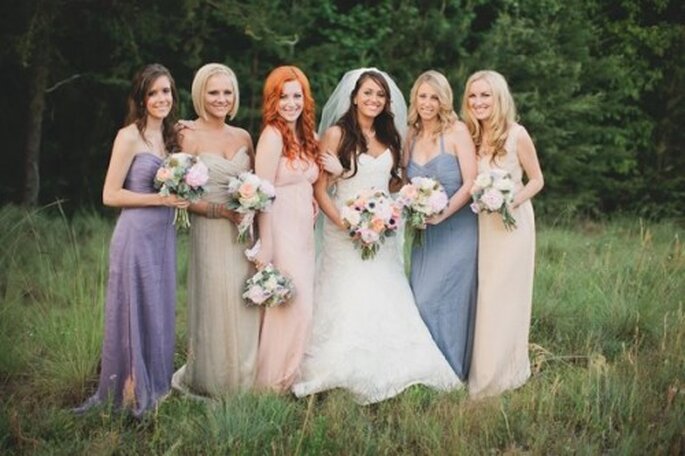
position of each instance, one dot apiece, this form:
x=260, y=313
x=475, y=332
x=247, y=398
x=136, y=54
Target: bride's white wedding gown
x=367, y=336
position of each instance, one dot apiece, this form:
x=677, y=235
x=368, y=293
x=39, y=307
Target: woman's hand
x=185, y=124
x=437, y=218
x=174, y=201
x=262, y=258
x=233, y=216
x=330, y=163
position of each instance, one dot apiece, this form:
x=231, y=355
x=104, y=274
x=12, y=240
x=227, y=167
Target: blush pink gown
x=286, y=328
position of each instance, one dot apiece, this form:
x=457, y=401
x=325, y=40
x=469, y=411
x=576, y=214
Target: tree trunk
x=39, y=52
x=38, y=74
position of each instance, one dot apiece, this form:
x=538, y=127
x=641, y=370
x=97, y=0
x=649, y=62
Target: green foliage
x=599, y=85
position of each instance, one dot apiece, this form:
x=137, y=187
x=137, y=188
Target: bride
x=367, y=334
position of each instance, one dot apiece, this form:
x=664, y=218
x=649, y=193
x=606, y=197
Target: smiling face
x=370, y=98
x=480, y=99
x=219, y=96
x=291, y=102
x=427, y=102
x=159, y=99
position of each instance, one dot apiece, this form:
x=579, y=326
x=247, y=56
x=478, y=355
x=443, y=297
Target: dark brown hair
x=353, y=141
x=137, y=113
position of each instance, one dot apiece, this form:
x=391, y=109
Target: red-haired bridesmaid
x=286, y=156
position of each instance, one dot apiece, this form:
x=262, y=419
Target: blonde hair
x=446, y=115
x=503, y=112
x=200, y=85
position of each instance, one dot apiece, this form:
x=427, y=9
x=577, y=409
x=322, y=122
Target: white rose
x=483, y=180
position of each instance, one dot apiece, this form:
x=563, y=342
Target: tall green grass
x=607, y=346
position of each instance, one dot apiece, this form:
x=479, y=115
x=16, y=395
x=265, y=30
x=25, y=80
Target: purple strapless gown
x=138, y=346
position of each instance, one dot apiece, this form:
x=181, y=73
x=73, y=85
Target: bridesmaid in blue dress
x=444, y=267
x=138, y=346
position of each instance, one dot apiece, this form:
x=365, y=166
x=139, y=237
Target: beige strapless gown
x=506, y=262
x=223, y=332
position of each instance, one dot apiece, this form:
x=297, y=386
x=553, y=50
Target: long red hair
x=273, y=87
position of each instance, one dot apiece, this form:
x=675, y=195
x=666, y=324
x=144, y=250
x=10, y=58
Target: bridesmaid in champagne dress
x=286, y=156
x=222, y=331
x=506, y=258
x=444, y=266
x=138, y=346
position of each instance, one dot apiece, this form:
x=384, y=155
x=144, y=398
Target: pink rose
x=492, y=199
x=256, y=294
x=247, y=190
x=437, y=201
x=163, y=174
x=198, y=175
x=369, y=236
x=378, y=225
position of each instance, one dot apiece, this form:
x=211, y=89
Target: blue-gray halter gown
x=444, y=268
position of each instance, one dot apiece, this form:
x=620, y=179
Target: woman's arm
x=269, y=151
x=113, y=192
x=330, y=142
x=531, y=166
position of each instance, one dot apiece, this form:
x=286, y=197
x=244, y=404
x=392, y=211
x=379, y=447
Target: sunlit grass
x=607, y=349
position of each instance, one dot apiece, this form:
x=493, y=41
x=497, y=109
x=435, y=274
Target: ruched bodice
x=141, y=174
x=221, y=170
x=443, y=167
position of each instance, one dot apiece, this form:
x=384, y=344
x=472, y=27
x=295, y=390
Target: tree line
x=598, y=84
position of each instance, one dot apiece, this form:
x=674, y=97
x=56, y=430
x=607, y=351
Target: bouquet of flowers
x=268, y=287
x=370, y=217
x=183, y=175
x=249, y=194
x=493, y=191
x=422, y=198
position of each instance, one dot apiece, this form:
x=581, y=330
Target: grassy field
x=607, y=346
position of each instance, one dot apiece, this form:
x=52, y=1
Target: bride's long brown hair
x=353, y=141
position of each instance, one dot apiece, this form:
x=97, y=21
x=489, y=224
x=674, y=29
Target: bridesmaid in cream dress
x=506, y=259
x=223, y=332
x=286, y=156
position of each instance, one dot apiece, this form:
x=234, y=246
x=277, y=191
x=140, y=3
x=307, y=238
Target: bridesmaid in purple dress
x=138, y=346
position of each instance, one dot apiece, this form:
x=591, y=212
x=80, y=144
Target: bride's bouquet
x=247, y=195
x=492, y=192
x=421, y=199
x=185, y=176
x=268, y=287
x=370, y=217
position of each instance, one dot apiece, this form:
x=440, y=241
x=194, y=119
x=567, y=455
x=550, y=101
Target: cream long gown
x=222, y=331
x=506, y=262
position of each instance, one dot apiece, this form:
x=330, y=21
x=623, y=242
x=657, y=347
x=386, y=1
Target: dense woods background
x=599, y=84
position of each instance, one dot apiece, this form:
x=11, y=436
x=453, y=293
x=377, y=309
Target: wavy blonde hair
x=503, y=112
x=200, y=85
x=446, y=115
